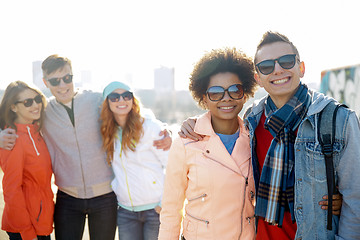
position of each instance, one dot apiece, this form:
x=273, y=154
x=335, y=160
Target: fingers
x=337, y=212
x=187, y=131
x=8, y=138
x=164, y=143
x=164, y=133
x=157, y=209
x=337, y=202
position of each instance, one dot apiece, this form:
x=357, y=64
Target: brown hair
x=221, y=61
x=131, y=134
x=7, y=117
x=53, y=63
x=272, y=37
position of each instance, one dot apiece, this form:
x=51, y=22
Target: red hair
x=131, y=133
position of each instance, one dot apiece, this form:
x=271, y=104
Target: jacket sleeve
x=348, y=170
x=15, y=210
x=174, y=192
x=155, y=127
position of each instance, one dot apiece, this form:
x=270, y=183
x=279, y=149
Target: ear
x=302, y=69
x=45, y=82
x=257, y=78
x=205, y=101
x=13, y=108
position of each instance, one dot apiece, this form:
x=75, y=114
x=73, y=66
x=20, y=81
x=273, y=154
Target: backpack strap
x=326, y=137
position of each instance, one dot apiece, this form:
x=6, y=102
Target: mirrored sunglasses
x=56, y=81
x=286, y=62
x=29, y=101
x=115, y=97
x=216, y=93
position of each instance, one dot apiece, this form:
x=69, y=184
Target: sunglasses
x=286, y=62
x=56, y=81
x=29, y=101
x=216, y=93
x=115, y=97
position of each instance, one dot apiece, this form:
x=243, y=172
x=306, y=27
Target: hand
x=7, y=138
x=165, y=142
x=337, y=202
x=157, y=209
x=187, y=130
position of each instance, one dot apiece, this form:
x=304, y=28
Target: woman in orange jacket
x=29, y=206
x=214, y=175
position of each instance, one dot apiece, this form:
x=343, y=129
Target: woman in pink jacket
x=214, y=175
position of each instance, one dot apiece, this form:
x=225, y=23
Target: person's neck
x=120, y=120
x=226, y=127
x=281, y=100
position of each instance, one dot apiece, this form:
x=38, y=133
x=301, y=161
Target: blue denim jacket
x=310, y=173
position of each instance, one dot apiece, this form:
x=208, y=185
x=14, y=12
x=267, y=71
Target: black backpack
x=326, y=135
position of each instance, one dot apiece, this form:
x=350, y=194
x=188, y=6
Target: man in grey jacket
x=72, y=133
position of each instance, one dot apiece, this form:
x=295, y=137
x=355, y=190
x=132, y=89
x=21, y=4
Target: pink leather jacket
x=219, y=188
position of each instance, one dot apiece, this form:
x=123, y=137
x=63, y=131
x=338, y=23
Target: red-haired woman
x=138, y=166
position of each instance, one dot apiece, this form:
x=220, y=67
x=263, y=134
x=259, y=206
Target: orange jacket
x=219, y=188
x=29, y=205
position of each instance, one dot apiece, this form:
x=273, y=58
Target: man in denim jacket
x=289, y=167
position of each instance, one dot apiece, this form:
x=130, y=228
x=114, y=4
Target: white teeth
x=280, y=81
x=226, y=108
x=121, y=106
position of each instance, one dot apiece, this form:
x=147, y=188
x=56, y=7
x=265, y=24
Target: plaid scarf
x=276, y=186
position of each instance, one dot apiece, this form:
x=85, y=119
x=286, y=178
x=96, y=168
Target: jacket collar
x=216, y=151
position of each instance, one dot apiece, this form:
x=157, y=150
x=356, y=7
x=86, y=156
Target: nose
x=226, y=96
x=277, y=67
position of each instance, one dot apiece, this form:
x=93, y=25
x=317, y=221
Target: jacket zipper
x=81, y=162
x=246, y=184
x=244, y=199
x=32, y=140
x=126, y=178
x=199, y=219
x=201, y=196
x=37, y=219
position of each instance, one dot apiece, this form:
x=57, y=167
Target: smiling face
x=282, y=83
x=224, y=113
x=121, y=108
x=27, y=115
x=64, y=92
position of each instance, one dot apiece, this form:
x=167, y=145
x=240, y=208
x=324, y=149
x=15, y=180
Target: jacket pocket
x=40, y=211
x=200, y=197
x=315, y=161
x=204, y=221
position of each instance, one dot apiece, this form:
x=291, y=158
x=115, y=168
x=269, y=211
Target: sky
x=115, y=38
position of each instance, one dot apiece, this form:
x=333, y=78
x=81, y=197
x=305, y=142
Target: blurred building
x=37, y=75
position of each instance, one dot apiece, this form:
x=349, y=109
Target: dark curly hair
x=222, y=61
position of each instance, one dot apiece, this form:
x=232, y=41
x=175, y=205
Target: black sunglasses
x=286, y=62
x=216, y=93
x=115, y=97
x=56, y=81
x=29, y=101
